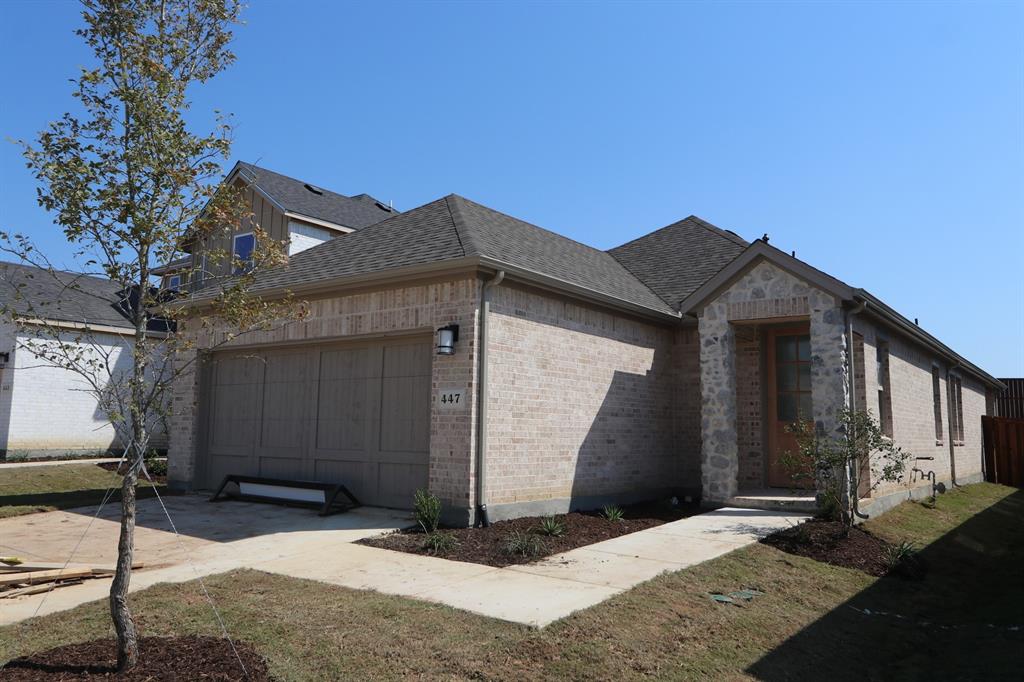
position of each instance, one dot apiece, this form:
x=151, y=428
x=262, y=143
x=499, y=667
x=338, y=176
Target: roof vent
x=383, y=207
x=314, y=189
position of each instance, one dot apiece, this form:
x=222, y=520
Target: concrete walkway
x=534, y=595
x=57, y=462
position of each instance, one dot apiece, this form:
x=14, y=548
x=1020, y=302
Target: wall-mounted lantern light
x=446, y=338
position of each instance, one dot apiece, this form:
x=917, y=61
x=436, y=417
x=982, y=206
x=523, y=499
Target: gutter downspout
x=951, y=415
x=481, y=410
x=850, y=314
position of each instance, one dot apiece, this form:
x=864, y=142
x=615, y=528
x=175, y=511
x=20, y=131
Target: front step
x=775, y=500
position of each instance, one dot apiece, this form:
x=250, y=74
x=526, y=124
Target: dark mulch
x=824, y=541
x=488, y=545
x=121, y=467
x=160, y=658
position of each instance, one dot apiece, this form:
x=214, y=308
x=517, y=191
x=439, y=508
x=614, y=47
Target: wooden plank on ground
x=34, y=577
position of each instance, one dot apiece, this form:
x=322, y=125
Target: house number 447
x=449, y=399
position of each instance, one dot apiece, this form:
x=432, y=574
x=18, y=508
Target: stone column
x=719, y=453
x=830, y=381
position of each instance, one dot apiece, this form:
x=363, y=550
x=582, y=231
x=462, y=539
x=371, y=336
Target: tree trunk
x=124, y=624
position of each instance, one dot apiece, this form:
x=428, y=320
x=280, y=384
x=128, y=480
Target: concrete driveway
x=214, y=537
x=221, y=537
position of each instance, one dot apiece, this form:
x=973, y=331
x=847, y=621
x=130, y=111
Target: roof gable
x=305, y=199
x=678, y=258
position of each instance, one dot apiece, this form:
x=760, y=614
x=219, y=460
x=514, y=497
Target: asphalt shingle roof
x=453, y=228
x=60, y=296
x=675, y=260
x=356, y=212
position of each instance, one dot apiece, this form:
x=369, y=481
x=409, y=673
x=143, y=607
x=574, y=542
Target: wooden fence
x=1010, y=403
x=1004, y=450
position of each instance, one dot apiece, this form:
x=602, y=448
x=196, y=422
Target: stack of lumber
x=21, y=579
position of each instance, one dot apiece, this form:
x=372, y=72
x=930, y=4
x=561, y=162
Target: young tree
x=844, y=465
x=133, y=187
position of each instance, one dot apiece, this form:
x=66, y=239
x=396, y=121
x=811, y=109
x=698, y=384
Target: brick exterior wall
x=422, y=307
x=581, y=403
x=749, y=408
x=32, y=392
x=913, y=413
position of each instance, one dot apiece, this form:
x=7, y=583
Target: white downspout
x=851, y=369
x=481, y=410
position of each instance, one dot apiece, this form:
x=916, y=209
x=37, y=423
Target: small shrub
x=426, y=509
x=439, y=543
x=613, y=513
x=902, y=559
x=156, y=467
x=524, y=544
x=552, y=527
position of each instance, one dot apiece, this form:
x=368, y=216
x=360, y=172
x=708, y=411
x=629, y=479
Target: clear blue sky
x=883, y=142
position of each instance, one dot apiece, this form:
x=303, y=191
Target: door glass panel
x=805, y=377
x=805, y=407
x=787, y=407
x=785, y=348
x=804, y=354
x=787, y=377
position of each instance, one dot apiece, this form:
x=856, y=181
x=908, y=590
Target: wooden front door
x=789, y=398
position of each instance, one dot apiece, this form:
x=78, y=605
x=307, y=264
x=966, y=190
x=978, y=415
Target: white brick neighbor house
x=45, y=410
x=666, y=366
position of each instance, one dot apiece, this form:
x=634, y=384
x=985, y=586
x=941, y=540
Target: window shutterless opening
x=242, y=249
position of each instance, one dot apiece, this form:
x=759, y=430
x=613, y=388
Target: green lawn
x=26, y=490
x=954, y=625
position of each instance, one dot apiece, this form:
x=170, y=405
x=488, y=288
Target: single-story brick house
x=665, y=366
x=47, y=410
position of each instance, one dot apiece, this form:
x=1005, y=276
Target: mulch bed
x=160, y=658
x=117, y=467
x=823, y=541
x=488, y=545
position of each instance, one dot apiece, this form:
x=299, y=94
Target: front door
x=789, y=398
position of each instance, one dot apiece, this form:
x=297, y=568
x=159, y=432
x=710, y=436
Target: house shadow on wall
x=964, y=621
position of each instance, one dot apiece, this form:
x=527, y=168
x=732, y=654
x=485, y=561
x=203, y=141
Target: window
x=956, y=408
x=884, y=388
x=937, y=401
x=244, y=245
x=174, y=282
x=793, y=378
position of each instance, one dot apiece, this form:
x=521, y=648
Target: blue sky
x=884, y=142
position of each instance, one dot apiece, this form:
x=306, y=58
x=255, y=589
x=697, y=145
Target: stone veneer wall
x=423, y=307
x=764, y=292
x=686, y=394
x=580, y=405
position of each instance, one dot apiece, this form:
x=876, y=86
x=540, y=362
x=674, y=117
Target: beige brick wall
x=686, y=361
x=580, y=401
x=422, y=307
x=910, y=378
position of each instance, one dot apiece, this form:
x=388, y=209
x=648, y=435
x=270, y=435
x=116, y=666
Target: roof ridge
x=455, y=213
x=700, y=222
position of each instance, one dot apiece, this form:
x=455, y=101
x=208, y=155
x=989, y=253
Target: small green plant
x=439, y=543
x=426, y=509
x=156, y=466
x=552, y=527
x=524, y=544
x=613, y=513
x=900, y=553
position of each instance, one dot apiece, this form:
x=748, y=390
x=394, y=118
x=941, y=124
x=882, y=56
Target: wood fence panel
x=1004, y=450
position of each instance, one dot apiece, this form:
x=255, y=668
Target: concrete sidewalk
x=57, y=462
x=535, y=594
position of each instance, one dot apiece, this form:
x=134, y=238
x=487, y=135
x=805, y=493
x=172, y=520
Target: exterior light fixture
x=446, y=338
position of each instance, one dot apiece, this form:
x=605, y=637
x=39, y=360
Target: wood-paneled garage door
x=353, y=413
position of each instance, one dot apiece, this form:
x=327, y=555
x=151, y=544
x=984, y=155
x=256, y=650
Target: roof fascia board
x=880, y=310
x=755, y=253
x=85, y=326
x=317, y=221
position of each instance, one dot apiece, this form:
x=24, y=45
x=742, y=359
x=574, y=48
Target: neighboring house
x=288, y=210
x=48, y=411
x=456, y=348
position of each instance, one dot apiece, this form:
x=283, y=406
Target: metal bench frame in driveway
x=331, y=491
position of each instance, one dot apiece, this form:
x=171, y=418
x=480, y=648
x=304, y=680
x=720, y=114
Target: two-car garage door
x=356, y=413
